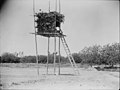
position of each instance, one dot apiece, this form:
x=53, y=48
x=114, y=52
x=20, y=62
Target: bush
x=77, y=57
x=9, y=58
x=62, y=59
x=28, y=59
x=42, y=59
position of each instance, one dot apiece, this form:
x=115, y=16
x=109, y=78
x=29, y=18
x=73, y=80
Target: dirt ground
x=27, y=78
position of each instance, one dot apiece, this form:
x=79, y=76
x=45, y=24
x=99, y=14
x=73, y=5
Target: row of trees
x=11, y=58
x=107, y=54
x=41, y=59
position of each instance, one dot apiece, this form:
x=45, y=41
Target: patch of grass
x=112, y=69
x=30, y=65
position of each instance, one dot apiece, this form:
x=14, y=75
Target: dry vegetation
x=24, y=76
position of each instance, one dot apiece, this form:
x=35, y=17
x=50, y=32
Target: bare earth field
x=26, y=78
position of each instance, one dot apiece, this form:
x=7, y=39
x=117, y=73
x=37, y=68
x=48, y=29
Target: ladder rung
x=70, y=57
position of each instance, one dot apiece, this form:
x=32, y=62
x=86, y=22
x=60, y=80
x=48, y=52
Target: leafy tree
x=51, y=59
x=91, y=55
x=110, y=54
x=9, y=58
x=42, y=58
x=64, y=59
x=28, y=59
x=77, y=57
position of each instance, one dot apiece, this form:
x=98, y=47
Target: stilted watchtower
x=49, y=25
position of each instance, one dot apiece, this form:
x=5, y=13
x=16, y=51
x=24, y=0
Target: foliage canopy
x=47, y=22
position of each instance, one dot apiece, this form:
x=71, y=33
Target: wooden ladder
x=70, y=57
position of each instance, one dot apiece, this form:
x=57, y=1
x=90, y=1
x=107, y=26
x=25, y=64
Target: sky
x=87, y=23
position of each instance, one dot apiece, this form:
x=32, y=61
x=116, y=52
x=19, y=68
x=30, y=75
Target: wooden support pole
x=55, y=5
x=48, y=54
x=37, y=56
x=59, y=56
x=59, y=7
x=35, y=39
x=55, y=40
x=54, y=55
x=49, y=6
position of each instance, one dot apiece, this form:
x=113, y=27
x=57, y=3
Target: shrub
x=42, y=58
x=9, y=58
x=28, y=59
x=77, y=57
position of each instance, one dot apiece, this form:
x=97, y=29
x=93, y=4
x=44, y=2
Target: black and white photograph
x=59, y=45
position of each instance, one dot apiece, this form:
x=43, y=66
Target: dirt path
x=89, y=79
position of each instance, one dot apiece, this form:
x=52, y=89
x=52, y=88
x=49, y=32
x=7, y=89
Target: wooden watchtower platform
x=49, y=25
